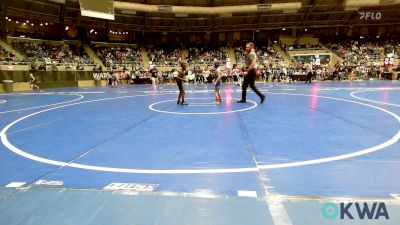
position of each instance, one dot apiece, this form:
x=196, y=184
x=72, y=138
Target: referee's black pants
x=249, y=80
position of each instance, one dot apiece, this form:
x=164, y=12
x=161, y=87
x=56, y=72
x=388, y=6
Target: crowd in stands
x=202, y=53
x=367, y=57
x=289, y=48
x=119, y=55
x=362, y=60
x=52, y=54
x=164, y=55
x=356, y=53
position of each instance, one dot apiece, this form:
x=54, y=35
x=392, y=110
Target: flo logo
x=355, y=211
x=370, y=15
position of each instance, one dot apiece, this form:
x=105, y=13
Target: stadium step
x=145, y=57
x=279, y=51
x=335, y=57
x=231, y=54
x=183, y=54
x=93, y=55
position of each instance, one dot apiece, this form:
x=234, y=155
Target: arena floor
x=131, y=155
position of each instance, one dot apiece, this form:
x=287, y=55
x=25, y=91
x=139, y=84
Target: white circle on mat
x=152, y=107
x=352, y=94
x=22, y=153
